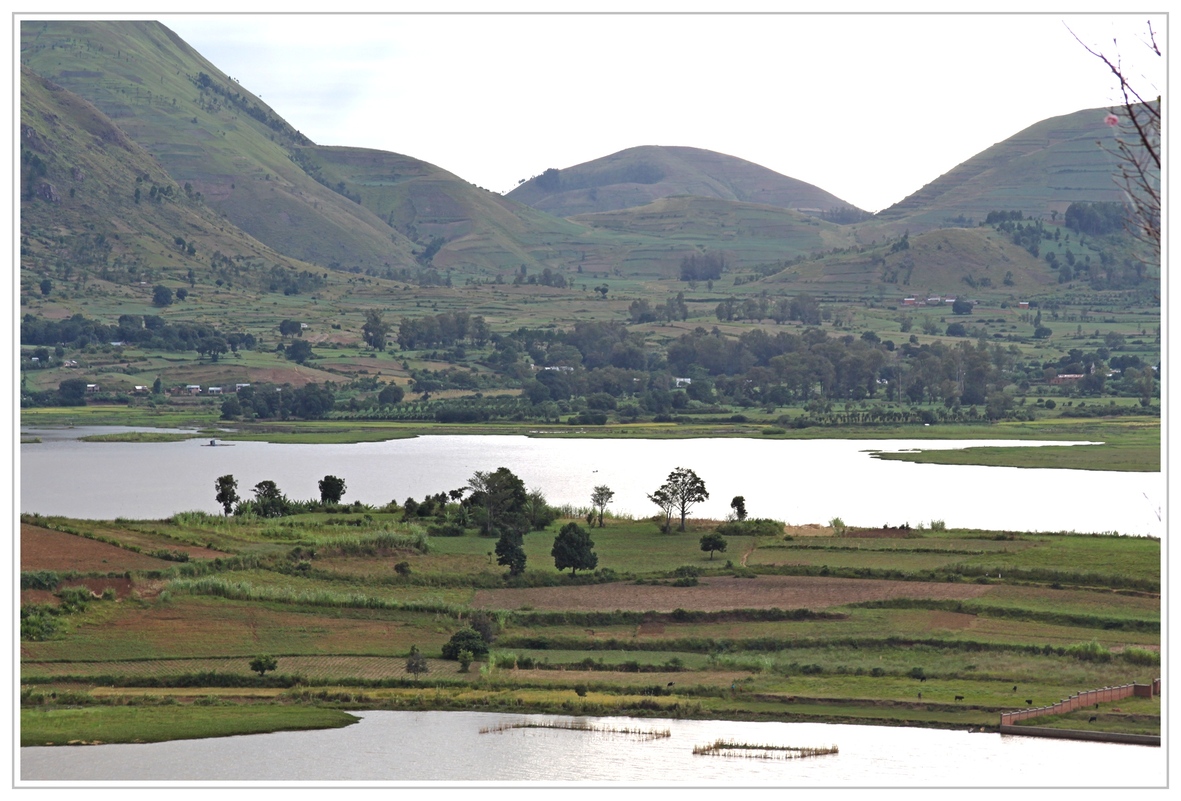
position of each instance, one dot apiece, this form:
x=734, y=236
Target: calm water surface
x=448, y=747
x=808, y=481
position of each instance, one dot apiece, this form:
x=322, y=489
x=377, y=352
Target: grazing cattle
x=922, y=678
x=959, y=698
x=1029, y=701
x=671, y=683
x=1092, y=719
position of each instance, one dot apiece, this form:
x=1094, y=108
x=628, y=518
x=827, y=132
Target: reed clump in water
x=730, y=748
x=578, y=725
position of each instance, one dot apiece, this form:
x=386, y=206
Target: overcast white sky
x=868, y=107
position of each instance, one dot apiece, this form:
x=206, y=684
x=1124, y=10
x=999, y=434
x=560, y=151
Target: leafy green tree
x=664, y=500
x=573, y=549
x=500, y=498
x=466, y=639
x=538, y=512
x=961, y=306
x=601, y=496
x=738, y=504
x=684, y=489
x=290, y=328
x=161, y=295
x=213, y=347
x=227, y=492
x=72, y=392
x=299, y=351
x=713, y=541
x=390, y=394
x=375, y=330
x=331, y=489
x=269, y=501
x=261, y=664
x=46, y=286
x=231, y=408
x=510, y=552
x=416, y=662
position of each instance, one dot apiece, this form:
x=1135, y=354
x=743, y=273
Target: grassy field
x=824, y=627
x=153, y=724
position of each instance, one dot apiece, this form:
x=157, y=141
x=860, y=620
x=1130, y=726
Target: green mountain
x=205, y=130
x=141, y=161
x=96, y=206
x=1039, y=171
x=640, y=175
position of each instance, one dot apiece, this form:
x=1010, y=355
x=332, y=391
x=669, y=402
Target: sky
x=867, y=107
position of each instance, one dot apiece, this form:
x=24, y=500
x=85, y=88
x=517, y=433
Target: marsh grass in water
x=641, y=735
x=729, y=748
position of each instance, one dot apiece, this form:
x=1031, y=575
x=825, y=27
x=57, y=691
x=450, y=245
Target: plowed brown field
x=45, y=549
x=716, y=594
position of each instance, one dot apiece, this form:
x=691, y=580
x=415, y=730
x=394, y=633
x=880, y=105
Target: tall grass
x=245, y=591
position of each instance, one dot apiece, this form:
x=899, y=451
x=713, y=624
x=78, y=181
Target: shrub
x=838, y=526
x=1141, y=656
x=938, y=525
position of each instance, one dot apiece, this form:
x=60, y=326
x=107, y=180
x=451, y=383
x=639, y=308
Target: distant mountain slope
x=94, y=205
x=206, y=130
x=746, y=234
x=481, y=231
x=976, y=262
x=1038, y=171
x=640, y=175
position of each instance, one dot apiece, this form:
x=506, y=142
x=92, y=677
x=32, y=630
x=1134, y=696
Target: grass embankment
x=91, y=725
x=938, y=628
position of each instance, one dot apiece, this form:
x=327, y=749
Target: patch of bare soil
x=808, y=530
x=717, y=594
x=45, y=549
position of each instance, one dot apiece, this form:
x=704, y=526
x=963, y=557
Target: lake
x=449, y=747
x=798, y=481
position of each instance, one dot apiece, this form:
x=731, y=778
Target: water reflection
x=448, y=747
x=796, y=481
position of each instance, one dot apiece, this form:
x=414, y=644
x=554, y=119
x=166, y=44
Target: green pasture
x=151, y=724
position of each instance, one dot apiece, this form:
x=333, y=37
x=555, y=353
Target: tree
x=182, y=293
x=227, y=492
x=390, y=394
x=684, y=488
x=161, y=295
x=602, y=496
x=72, y=392
x=961, y=306
x=213, y=347
x=713, y=541
x=466, y=639
x=501, y=498
x=290, y=328
x=299, y=351
x=261, y=664
x=269, y=500
x=416, y=662
x=331, y=489
x=572, y=549
x=46, y=286
x=738, y=504
x=667, y=505
x=510, y=552
x=375, y=330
